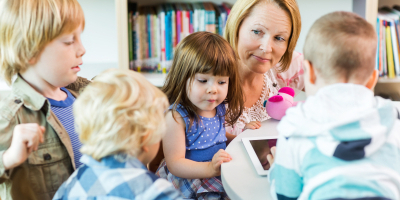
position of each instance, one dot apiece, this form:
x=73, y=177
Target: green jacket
x=46, y=169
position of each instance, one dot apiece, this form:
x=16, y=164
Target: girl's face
x=206, y=92
x=263, y=37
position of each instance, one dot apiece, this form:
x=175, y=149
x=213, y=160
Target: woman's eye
x=256, y=32
x=202, y=81
x=279, y=38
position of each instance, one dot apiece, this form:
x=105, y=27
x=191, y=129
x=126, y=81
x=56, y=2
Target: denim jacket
x=46, y=169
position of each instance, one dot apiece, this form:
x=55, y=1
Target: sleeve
x=285, y=180
x=6, y=131
x=161, y=189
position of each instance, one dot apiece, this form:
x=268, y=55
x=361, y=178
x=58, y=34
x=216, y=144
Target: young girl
x=203, y=88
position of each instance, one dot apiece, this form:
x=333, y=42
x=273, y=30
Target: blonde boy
x=40, y=53
x=120, y=120
x=342, y=142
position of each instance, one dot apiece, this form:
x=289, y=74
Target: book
x=389, y=49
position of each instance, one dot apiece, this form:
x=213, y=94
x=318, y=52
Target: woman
x=263, y=34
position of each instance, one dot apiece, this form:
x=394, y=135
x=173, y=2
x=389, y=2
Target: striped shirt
x=63, y=111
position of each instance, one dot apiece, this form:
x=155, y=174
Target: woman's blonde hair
x=204, y=52
x=242, y=9
x=27, y=26
x=119, y=112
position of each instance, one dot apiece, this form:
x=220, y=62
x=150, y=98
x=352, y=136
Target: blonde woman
x=263, y=33
x=120, y=120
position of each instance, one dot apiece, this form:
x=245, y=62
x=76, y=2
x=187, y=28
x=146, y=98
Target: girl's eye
x=222, y=82
x=256, y=32
x=69, y=43
x=202, y=81
x=279, y=38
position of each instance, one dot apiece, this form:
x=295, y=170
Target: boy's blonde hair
x=27, y=26
x=342, y=45
x=119, y=112
x=242, y=9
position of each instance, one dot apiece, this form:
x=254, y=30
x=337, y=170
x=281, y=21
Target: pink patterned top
x=273, y=81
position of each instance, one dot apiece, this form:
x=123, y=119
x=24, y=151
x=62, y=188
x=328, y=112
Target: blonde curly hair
x=119, y=112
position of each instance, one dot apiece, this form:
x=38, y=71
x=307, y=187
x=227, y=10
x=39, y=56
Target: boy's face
x=58, y=63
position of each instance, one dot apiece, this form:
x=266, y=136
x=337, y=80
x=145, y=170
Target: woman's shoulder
x=294, y=76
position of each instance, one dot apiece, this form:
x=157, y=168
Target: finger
x=273, y=151
x=41, y=134
x=270, y=159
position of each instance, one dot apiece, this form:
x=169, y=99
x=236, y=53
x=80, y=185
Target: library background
x=141, y=34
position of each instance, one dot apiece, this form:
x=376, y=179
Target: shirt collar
x=113, y=162
x=29, y=96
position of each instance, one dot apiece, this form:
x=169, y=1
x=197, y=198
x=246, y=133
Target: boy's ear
x=309, y=69
x=32, y=61
x=372, y=80
x=145, y=148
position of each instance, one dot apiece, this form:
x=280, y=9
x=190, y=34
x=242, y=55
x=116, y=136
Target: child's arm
x=26, y=138
x=284, y=176
x=175, y=150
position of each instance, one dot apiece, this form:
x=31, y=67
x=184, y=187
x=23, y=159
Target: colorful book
x=391, y=72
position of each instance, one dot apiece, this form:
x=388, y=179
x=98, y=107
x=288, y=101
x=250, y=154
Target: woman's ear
x=372, y=80
x=310, y=72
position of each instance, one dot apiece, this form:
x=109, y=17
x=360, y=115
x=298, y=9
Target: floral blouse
x=273, y=81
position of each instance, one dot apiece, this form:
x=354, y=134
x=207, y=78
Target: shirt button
x=46, y=156
x=17, y=101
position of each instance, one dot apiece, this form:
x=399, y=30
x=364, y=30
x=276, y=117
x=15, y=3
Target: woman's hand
x=271, y=157
x=215, y=165
x=252, y=125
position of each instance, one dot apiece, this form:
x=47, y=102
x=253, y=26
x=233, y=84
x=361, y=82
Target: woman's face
x=264, y=37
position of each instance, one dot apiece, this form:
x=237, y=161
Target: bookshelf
x=366, y=8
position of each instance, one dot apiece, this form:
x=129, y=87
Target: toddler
x=120, y=121
x=204, y=91
x=342, y=142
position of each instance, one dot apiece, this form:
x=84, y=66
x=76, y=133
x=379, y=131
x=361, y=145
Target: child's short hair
x=204, y=52
x=342, y=45
x=119, y=112
x=27, y=26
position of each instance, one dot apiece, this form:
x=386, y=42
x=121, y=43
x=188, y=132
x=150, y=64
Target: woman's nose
x=266, y=44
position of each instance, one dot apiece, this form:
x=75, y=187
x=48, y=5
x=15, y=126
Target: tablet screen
x=262, y=148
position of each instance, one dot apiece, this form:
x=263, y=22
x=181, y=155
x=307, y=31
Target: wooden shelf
x=389, y=80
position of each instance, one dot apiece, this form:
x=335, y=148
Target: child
x=342, y=142
x=202, y=81
x=120, y=140
x=40, y=51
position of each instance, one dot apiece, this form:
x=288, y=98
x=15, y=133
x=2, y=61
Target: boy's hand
x=215, y=165
x=26, y=138
x=252, y=125
x=271, y=157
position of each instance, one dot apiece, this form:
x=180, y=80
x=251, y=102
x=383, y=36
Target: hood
x=345, y=119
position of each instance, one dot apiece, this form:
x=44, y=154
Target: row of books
x=388, y=51
x=155, y=31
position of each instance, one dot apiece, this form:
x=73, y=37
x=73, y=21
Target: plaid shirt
x=115, y=177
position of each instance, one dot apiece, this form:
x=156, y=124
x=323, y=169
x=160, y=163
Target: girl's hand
x=26, y=138
x=271, y=157
x=215, y=165
x=252, y=125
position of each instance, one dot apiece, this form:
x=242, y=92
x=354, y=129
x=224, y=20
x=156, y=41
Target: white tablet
x=258, y=148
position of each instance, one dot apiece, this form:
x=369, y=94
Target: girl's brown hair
x=204, y=52
x=242, y=9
